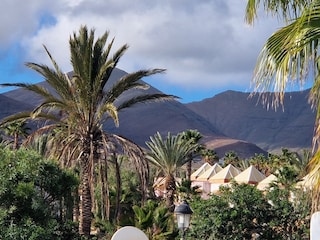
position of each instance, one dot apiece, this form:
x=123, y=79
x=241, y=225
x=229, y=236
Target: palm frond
x=136, y=157
x=129, y=82
x=291, y=56
x=170, y=153
x=146, y=99
x=110, y=110
x=57, y=80
x=283, y=9
x=110, y=64
x=288, y=56
x=27, y=115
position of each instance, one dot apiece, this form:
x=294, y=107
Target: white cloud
x=200, y=43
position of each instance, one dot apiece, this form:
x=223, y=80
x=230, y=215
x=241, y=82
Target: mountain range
x=229, y=121
x=238, y=115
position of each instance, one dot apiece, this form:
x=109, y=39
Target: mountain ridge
x=239, y=116
x=221, y=130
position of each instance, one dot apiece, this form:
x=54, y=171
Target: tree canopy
x=36, y=197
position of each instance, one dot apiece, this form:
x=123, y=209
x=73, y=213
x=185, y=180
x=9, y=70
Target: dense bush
x=35, y=197
x=244, y=212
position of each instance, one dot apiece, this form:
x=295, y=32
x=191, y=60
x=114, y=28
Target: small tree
x=168, y=155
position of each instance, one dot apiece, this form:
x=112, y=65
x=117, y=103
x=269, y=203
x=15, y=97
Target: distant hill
x=227, y=121
x=10, y=106
x=238, y=116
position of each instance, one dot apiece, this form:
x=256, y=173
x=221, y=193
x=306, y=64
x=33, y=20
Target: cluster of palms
x=273, y=162
x=72, y=114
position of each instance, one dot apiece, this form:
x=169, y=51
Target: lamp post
x=183, y=213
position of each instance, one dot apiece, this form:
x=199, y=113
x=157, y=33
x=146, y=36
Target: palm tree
x=16, y=129
x=262, y=163
x=231, y=157
x=168, y=155
x=81, y=103
x=291, y=55
x=210, y=156
x=195, y=136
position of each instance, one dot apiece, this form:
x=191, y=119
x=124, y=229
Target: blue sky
x=206, y=46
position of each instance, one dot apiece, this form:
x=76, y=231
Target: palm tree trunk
x=170, y=185
x=85, y=195
x=118, y=190
x=189, y=168
x=102, y=190
x=76, y=204
x=104, y=199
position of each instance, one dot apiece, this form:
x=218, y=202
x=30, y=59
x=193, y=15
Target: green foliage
x=242, y=212
x=28, y=229
x=288, y=164
x=170, y=153
x=237, y=213
x=34, y=197
x=231, y=157
x=130, y=195
x=185, y=191
x=155, y=220
x=208, y=218
x=291, y=210
x=143, y=215
x=288, y=57
x=15, y=131
x=210, y=156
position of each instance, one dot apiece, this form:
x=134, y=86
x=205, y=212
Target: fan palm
x=81, y=102
x=291, y=55
x=168, y=155
x=210, y=156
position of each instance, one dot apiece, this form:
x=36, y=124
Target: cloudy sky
x=206, y=46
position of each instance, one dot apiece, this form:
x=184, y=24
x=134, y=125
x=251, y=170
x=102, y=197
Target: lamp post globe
x=183, y=214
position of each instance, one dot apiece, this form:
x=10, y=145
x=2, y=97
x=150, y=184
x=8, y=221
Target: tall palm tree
x=291, y=55
x=195, y=136
x=82, y=102
x=168, y=155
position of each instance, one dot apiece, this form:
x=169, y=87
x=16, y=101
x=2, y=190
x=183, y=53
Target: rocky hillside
x=238, y=116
